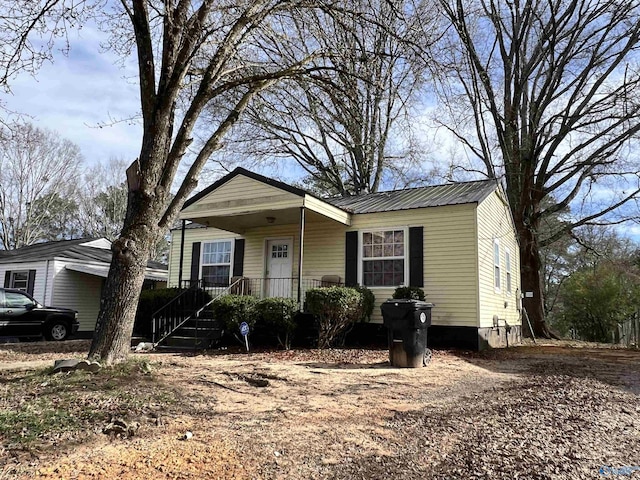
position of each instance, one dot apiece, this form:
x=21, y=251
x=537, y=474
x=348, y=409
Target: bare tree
x=37, y=172
x=545, y=94
x=191, y=56
x=103, y=199
x=346, y=125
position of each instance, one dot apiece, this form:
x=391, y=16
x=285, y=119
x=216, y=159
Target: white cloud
x=76, y=94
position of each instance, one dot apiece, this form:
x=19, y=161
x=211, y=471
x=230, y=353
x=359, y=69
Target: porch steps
x=197, y=334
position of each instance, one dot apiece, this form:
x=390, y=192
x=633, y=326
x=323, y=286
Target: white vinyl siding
x=79, y=291
x=507, y=269
x=495, y=223
x=496, y=265
x=241, y=195
x=41, y=282
x=449, y=259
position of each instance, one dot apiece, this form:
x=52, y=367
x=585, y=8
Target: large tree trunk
x=532, y=288
x=112, y=338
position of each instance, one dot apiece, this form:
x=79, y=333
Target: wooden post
x=181, y=254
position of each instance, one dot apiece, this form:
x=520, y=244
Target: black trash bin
x=407, y=322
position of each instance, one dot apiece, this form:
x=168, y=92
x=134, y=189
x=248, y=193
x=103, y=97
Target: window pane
x=16, y=300
x=377, y=238
x=216, y=253
x=19, y=280
x=383, y=273
x=377, y=250
x=398, y=250
x=388, y=250
x=398, y=236
x=216, y=276
x=366, y=239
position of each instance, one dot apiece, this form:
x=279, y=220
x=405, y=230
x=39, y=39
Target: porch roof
x=244, y=199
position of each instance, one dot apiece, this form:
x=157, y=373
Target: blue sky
x=88, y=96
x=78, y=93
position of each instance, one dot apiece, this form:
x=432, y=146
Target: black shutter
x=195, y=262
x=416, y=257
x=351, y=259
x=238, y=257
x=7, y=279
x=31, y=281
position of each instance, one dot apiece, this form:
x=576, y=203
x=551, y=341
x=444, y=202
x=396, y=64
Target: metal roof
x=432, y=196
x=71, y=249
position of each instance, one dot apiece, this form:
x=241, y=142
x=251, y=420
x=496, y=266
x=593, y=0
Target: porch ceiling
x=240, y=223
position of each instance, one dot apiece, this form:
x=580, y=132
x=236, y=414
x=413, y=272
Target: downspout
x=46, y=284
x=181, y=254
x=300, y=256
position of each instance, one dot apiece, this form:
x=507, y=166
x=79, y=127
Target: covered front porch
x=260, y=237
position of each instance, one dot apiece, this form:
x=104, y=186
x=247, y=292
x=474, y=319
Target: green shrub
x=368, y=302
x=335, y=310
x=232, y=310
x=412, y=293
x=276, y=315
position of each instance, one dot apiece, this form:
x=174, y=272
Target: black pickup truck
x=22, y=316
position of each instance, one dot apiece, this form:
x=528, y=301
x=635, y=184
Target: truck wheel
x=57, y=330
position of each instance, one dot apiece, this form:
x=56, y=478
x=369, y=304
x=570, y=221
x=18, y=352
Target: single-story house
x=68, y=273
x=456, y=241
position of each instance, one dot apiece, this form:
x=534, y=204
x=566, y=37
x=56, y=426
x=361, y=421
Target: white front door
x=279, y=268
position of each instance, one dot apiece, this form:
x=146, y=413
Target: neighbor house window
x=496, y=264
x=507, y=268
x=383, y=258
x=216, y=263
x=19, y=280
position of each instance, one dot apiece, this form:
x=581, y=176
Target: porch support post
x=300, y=256
x=181, y=253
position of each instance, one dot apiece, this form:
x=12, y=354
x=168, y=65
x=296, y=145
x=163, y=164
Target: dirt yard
x=532, y=412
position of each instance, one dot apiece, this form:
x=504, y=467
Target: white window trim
x=13, y=274
x=496, y=285
x=218, y=240
x=507, y=271
x=405, y=229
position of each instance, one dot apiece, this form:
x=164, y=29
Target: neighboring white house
x=456, y=241
x=67, y=273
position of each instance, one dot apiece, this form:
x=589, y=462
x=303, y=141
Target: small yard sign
x=244, y=330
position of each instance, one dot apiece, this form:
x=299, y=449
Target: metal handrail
x=180, y=318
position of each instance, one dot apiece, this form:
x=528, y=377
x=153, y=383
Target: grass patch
x=39, y=409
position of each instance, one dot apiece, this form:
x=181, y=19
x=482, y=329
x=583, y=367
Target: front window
x=19, y=280
x=383, y=258
x=216, y=263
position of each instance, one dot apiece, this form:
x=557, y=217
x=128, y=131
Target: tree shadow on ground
x=615, y=367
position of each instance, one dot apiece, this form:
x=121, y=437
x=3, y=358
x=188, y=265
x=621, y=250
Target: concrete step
x=181, y=342
x=193, y=332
